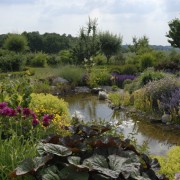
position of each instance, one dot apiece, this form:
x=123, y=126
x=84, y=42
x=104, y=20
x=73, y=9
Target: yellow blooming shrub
x=170, y=164
x=43, y=104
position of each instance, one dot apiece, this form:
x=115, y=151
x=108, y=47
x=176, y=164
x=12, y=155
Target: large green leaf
x=70, y=173
x=100, y=164
x=57, y=149
x=51, y=173
x=25, y=167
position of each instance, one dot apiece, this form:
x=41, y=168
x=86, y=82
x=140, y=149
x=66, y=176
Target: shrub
x=88, y=154
x=53, y=60
x=119, y=99
x=43, y=104
x=170, y=164
x=99, y=77
x=129, y=69
x=118, y=79
x=12, y=62
x=65, y=57
x=146, y=60
x=39, y=60
x=73, y=74
x=100, y=59
x=163, y=87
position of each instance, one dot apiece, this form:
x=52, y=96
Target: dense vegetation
x=30, y=65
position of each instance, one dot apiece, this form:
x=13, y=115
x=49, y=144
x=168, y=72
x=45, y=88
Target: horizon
x=126, y=18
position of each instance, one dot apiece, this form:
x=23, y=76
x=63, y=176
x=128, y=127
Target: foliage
x=163, y=87
x=43, y=104
x=53, y=60
x=15, y=91
x=99, y=77
x=73, y=74
x=174, y=33
x=12, y=62
x=140, y=45
x=66, y=57
x=129, y=69
x=16, y=43
x=119, y=99
x=110, y=44
x=170, y=164
x=87, y=44
x=118, y=79
x=144, y=78
x=147, y=60
x=12, y=151
x=100, y=59
x=88, y=154
x=39, y=60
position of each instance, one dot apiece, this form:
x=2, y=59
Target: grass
x=12, y=152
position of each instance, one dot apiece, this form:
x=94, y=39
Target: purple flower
x=47, y=119
x=19, y=109
x=26, y=112
x=35, y=122
x=3, y=105
x=6, y=111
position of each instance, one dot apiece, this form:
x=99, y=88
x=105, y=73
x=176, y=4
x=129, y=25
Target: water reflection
x=159, y=138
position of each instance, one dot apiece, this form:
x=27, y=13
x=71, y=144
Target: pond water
x=159, y=137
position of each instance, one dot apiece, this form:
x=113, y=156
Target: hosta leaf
x=70, y=173
x=56, y=149
x=40, y=149
x=99, y=163
x=75, y=160
x=41, y=161
x=51, y=173
x=116, y=162
x=25, y=167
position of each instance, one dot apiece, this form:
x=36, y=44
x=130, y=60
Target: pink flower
x=6, y=111
x=26, y=112
x=47, y=119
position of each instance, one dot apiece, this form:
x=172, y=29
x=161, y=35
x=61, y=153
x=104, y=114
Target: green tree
x=110, y=44
x=140, y=45
x=87, y=45
x=174, y=33
x=16, y=43
x=35, y=41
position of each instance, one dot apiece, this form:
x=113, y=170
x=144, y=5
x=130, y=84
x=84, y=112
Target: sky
x=127, y=18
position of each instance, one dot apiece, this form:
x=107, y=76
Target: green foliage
x=12, y=151
x=88, y=154
x=146, y=60
x=145, y=77
x=16, y=92
x=174, y=33
x=99, y=59
x=16, y=43
x=39, y=60
x=110, y=44
x=170, y=164
x=49, y=103
x=73, y=74
x=66, y=57
x=11, y=61
x=129, y=69
x=99, y=77
x=119, y=99
x=140, y=45
x=87, y=44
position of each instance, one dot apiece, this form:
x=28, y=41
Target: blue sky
x=127, y=18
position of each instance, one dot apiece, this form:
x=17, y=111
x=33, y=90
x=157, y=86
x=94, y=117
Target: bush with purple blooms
x=118, y=79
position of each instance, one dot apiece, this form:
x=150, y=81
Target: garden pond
x=158, y=137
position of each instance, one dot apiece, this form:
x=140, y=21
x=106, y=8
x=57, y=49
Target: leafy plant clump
x=89, y=153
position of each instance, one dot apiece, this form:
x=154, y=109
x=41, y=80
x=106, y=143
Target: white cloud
x=126, y=17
